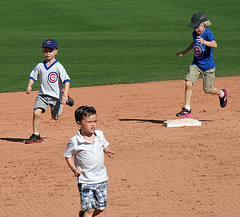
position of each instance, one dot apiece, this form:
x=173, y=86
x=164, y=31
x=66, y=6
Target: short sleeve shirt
x=203, y=56
x=88, y=157
x=52, y=78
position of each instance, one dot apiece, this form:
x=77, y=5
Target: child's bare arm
x=108, y=152
x=72, y=166
x=212, y=44
x=190, y=47
x=65, y=93
x=29, y=87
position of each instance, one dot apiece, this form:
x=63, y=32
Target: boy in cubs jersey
x=52, y=76
x=203, y=63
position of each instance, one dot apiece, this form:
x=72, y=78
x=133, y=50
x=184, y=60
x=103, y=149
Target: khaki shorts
x=208, y=77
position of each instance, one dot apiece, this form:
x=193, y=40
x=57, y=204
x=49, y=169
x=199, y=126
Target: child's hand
x=110, y=153
x=28, y=91
x=64, y=99
x=200, y=40
x=180, y=54
x=77, y=173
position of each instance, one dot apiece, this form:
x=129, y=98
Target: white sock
x=221, y=94
x=188, y=107
x=37, y=134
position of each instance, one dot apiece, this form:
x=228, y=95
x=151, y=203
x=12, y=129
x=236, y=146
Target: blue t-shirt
x=203, y=56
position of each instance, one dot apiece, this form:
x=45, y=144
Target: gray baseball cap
x=197, y=19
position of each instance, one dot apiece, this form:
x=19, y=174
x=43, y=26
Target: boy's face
x=49, y=53
x=88, y=125
x=200, y=29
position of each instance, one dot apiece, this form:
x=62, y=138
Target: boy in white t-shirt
x=85, y=157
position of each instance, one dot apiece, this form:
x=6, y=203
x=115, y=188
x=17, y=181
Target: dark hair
x=84, y=111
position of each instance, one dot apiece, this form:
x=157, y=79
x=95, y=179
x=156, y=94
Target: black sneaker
x=34, y=139
x=81, y=213
x=184, y=113
x=224, y=99
x=70, y=101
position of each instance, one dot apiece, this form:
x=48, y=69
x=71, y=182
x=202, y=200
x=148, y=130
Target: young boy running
x=52, y=77
x=85, y=157
x=203, y=44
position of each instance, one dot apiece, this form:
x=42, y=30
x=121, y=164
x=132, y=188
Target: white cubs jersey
x=52, y=78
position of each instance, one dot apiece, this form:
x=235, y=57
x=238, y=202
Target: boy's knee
x=37, y=113
x=97, y=212
x=188, y=84
x=207, y=91
x=89, y=211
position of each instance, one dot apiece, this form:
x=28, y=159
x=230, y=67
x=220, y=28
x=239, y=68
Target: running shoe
x=224, y=99
x=70, y=101
x=184, y=113
x=81, y=213
x=34, y=139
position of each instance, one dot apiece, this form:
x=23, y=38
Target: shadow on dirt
x=13, y=139
x=144, y=120
x=17, y=139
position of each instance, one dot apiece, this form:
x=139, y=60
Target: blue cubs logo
x=198, y=51
x=52, y=77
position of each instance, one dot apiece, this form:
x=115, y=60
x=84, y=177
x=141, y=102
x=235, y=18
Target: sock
x=221, y=94
x=187, y=107
x=37, y=134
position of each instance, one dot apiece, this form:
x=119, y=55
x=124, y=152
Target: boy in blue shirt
x=203, y=44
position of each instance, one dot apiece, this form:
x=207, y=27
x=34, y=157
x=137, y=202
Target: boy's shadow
x=144, y=120
x=14, y=139
x=154, y=121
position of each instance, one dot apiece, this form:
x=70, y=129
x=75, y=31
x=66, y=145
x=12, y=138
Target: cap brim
x=48, y=46
x=194, y=25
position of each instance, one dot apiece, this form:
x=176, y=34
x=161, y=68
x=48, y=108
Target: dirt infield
x=156, y=171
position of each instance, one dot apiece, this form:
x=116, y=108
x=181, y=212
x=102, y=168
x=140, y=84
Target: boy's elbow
x=215, y=44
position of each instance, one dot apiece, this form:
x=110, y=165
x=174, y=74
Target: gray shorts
x=208, y=76
x=42, y=102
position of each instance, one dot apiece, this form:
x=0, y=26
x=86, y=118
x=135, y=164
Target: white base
x=180, y=122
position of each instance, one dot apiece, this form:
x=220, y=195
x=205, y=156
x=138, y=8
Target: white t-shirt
x=88, y=157
x=52, y=78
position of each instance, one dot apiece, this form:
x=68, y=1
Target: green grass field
x=112, y=41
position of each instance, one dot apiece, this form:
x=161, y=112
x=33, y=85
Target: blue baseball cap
x=50, y=43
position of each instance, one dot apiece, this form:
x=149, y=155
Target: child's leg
x=56, y=110
x=214, y=91
x=192, y=76
x=97, y=212
x=36, y=120
x=88, y=213
x=35, y=137
x=208, y=79
x=188, y=92
x=92, y=212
